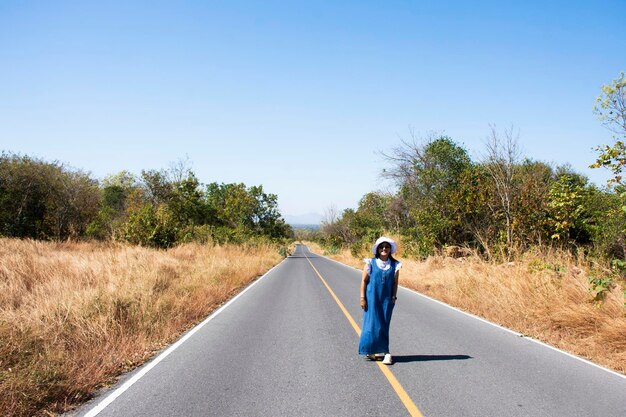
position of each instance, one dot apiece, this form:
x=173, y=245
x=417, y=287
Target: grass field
x=545, y=295
x=75, y=315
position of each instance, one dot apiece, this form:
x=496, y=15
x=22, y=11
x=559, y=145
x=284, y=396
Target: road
x=286, y=347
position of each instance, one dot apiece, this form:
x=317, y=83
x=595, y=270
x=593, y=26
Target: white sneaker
x=387, y=360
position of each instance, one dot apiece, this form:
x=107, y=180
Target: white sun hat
x=394, y=245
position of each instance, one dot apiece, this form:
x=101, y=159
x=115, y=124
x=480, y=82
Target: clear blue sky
x=301, y=97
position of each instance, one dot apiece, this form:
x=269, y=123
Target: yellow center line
x=395, y=384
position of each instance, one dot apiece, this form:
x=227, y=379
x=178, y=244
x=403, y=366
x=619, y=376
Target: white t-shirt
x=382, y=265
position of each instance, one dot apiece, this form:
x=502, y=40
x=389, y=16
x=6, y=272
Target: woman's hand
x=363, y=303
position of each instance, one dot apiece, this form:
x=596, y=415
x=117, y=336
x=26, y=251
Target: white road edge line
x=111, y=397
x=571, y=355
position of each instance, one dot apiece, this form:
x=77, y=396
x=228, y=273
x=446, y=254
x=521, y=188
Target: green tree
x=428, y=177
x=266, y=216
x=112, y=213
x=608, y=225
x=370, y=219
x=44, y=200
x=150, y=225
x=187, y=202
x=476, y=202
x=244, y=212
x=569, y=215
x=232, y=204
x=611, y=110
x=178, y=208
x=532, y=225
x=24, y=192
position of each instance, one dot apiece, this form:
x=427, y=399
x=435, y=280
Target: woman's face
x=384, y=249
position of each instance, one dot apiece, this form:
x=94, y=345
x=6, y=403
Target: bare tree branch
x=503, y=154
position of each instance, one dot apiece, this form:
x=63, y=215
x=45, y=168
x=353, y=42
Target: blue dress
x=377, y=317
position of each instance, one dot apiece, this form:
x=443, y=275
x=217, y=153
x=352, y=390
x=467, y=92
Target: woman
x=379, y=287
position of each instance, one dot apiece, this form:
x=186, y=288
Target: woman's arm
x=394, y=292
x=364, y=280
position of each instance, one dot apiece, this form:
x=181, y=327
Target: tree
x=567, y=207
x=370, y=220
x=150, y=225
x=334, y=227
x=241, y=211
x=44, y=200
x=178, y=205
x=24, y=192
x=266, y=217
x=611, y=110
x=124, y=179
x=232, y=204
x=186, y=201
x=115, y=190
x=532, y=224
x=426, y=169
x=502, y=156
x=428, y=176
x=74, y=204
x=608, y=225
x=474, y=195
x=157, y=186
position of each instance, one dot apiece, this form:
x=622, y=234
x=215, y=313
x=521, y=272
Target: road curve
x=286, y=348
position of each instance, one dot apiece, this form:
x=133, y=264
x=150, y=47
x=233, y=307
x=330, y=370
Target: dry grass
x=75, y=315
x=543, y=295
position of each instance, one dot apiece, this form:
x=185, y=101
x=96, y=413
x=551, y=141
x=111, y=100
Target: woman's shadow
x=425, y=358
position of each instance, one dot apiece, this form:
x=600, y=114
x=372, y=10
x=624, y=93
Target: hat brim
x=382, y=239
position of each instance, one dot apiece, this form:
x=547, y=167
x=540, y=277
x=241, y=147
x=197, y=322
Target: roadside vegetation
x=97, y=276
x=160, y=208
x=75, y=315
x=531, y=246
x=548, y=295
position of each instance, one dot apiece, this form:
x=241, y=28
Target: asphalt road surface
x=286, y=347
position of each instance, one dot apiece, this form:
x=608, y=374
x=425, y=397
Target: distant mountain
x=308, y=219
x=311, y=227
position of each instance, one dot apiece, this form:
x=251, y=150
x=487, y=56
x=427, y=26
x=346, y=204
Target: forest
x=160, y=208
x=499, y=206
